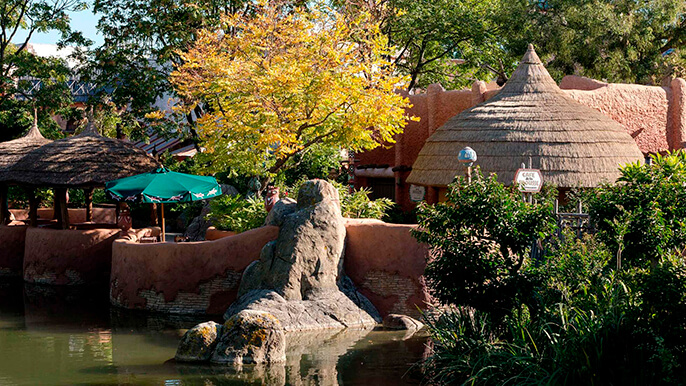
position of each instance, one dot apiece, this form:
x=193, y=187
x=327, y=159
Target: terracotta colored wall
x=100, y=215
x=12, y=250
x=383, y=260
x=387, y=265
x=184, y=278
x=643, y=110
x=654, y=116
x=68, y=257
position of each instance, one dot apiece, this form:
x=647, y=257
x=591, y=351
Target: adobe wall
x=184, y=278
x=387, y=265
x=383, y=260
x=654, y=116
x=68, y=257
x=76, y=215
x=12, y=240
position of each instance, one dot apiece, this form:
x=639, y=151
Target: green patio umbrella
x=163, y=187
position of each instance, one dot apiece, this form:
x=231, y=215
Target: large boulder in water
x=198, y=343
x=251, y=337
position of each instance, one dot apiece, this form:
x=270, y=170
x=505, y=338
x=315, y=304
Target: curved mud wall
x=12, y=240
x=76, y=215
x=185, y=278
x=68, y=257
x=387, y=265
x=383, y=260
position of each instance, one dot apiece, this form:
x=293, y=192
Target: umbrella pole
x=163, y=231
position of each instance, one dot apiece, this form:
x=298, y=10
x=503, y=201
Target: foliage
x=319, y=161
x=358, y=204
x=580, y=320
x=642, y=218
x=479, y=242
x=448, y=41
x=236, y=213
x=621, y=41
x=18, y=197
x=18, y=97
x=597, y=330
x=279, y=80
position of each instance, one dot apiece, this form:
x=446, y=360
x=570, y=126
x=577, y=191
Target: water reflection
x=65, y=336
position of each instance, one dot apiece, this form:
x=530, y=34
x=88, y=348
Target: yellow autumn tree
x=276, y=81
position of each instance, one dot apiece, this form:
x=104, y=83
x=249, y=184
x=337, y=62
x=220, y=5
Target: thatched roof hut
x=84, y=160
x=530, y=118
x=12, y=151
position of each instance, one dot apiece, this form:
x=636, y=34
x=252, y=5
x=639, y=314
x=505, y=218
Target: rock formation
x=299, y=277
x=298, y=284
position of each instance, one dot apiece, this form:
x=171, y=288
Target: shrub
x=479, y=241
x=236, y=213
x=643, y=217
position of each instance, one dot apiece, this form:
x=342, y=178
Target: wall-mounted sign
x=417, y=193
x=529, y=180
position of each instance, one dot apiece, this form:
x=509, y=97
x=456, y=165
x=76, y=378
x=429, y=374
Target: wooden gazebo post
x=33, y=207
x=4, y=207
x=61, y=194
x=88, y=193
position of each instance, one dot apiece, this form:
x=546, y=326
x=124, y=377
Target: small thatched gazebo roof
x=81, y=161
x=12, y=151
x=573, y=145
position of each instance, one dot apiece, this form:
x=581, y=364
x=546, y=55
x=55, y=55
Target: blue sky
x=84, y=21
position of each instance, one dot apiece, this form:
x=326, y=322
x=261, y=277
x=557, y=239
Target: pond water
x=57, y=336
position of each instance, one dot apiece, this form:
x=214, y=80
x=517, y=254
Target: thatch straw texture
x=84, y=160
x=12, y=151
x=573, y=145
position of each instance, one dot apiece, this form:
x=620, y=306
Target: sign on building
x=529, y=180
x=417, y=193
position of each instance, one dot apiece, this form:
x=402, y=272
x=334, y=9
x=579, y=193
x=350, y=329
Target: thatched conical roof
x=573, y=145
x=84, y=160
x=12, y=151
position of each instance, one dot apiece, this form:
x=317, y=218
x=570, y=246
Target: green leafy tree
x=20, y=70
x=454, y=42
x=143, y=40
x=621, y=41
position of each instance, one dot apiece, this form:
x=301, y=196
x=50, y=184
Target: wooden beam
x=88, y=193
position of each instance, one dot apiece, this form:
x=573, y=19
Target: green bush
x=236, y=213
x=358, y=204
x=480, y=240
x=644, y=216
x=571, y=317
